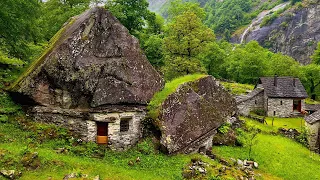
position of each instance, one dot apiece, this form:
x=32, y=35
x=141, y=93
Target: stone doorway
x=102, y=132
x=297, y=105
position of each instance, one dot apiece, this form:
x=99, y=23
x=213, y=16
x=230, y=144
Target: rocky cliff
x=294, y=32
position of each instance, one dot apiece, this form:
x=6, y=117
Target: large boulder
x=92, y=61
x=190, y=116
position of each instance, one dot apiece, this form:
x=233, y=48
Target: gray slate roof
x=312, y=107
x=250, y=95
x=313, y=118
x=285, y=87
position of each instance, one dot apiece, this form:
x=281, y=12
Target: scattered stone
x=61, y=150
x=196, y=169
x=130, y=163
x=224, y=162
x=239, y=162
x=223, y=169
x=96, y=177
x=290, y=133
x=30, y=160
x=255, y=165
x=138, y=159
x=10, y=174
x=68, y=176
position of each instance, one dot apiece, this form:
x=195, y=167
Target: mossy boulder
x=190, y=116
x=93, y=61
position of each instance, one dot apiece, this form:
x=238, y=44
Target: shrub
x=224, y=128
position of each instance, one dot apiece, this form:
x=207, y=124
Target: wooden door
x=102, y=132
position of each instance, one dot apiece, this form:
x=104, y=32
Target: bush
x=146, y=147
x=259, y=112
x=224, y=128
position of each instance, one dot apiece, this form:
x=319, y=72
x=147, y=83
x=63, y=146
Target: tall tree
x=56, y=12
x=17, y=26
x=186, y=37
x=311, y=79
x=316, y=56
x=133, y=14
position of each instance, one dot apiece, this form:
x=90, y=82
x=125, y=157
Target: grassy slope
x=277, y=155
x=113, y=166
x=236, y=88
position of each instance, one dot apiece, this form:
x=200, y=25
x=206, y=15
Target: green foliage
x=310, y=77
x=55, y=13
x=316, y=56
x=153, y=50
x=17, y=26
x=186, y=37
x=224, y=128
x=170, y=87
x=132, y=14
x=146, y=147
x=259, y=112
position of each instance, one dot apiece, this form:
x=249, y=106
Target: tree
x=311, y=79
x=316, y=56
x=153, y=50
x=132, y=14
x=56, y=12
x=17, y=27
x=186, y=37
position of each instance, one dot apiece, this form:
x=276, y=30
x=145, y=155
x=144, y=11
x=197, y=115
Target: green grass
x=278, y=156
x=295, y=123
x=114, y=165
x=169, y=88
x=311, y=101
x=236, y=88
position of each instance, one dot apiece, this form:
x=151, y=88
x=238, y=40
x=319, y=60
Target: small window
x=124, y=125
x=255, y=101
x=280, y=102
x=274, y=113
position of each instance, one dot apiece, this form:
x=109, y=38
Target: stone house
x=276, y=96
x=94, y=80
x=313, y=124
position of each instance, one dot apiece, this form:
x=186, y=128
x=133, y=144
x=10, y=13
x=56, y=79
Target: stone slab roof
x=249, y=96
x=312, y=107
x=283, y=87
x=313, y=118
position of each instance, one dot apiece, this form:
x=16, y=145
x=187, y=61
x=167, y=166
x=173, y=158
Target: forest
x=193, y=38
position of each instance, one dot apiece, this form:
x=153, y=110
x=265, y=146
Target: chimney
x=294, y=82
x=275, y=80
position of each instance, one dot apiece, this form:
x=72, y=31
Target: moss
x=55, y=40
x=88, y=28
x=170, y=87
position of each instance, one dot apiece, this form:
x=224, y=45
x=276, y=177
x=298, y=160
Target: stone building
x=313, y=124
x=93, y=79
x=276, y=96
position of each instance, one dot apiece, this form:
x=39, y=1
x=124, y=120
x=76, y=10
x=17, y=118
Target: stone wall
x=256, y=102
x=278, y=109
x=314, y=139
x=121, y=140
x=85, y=124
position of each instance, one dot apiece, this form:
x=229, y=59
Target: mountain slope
x=295, y=32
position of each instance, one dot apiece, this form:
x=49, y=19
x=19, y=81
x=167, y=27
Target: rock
x=295, y=32
x=227, y=139
x=202, y=170
x=130, y=163
x=61, y=150
x=30, y=160
x=68, y=176
x=190, y=116
x=239, y=162
x=10, y=174
x=93, y=62
x=222, y=169
x=138, y=159
x=255, y=165
x=96, y=177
